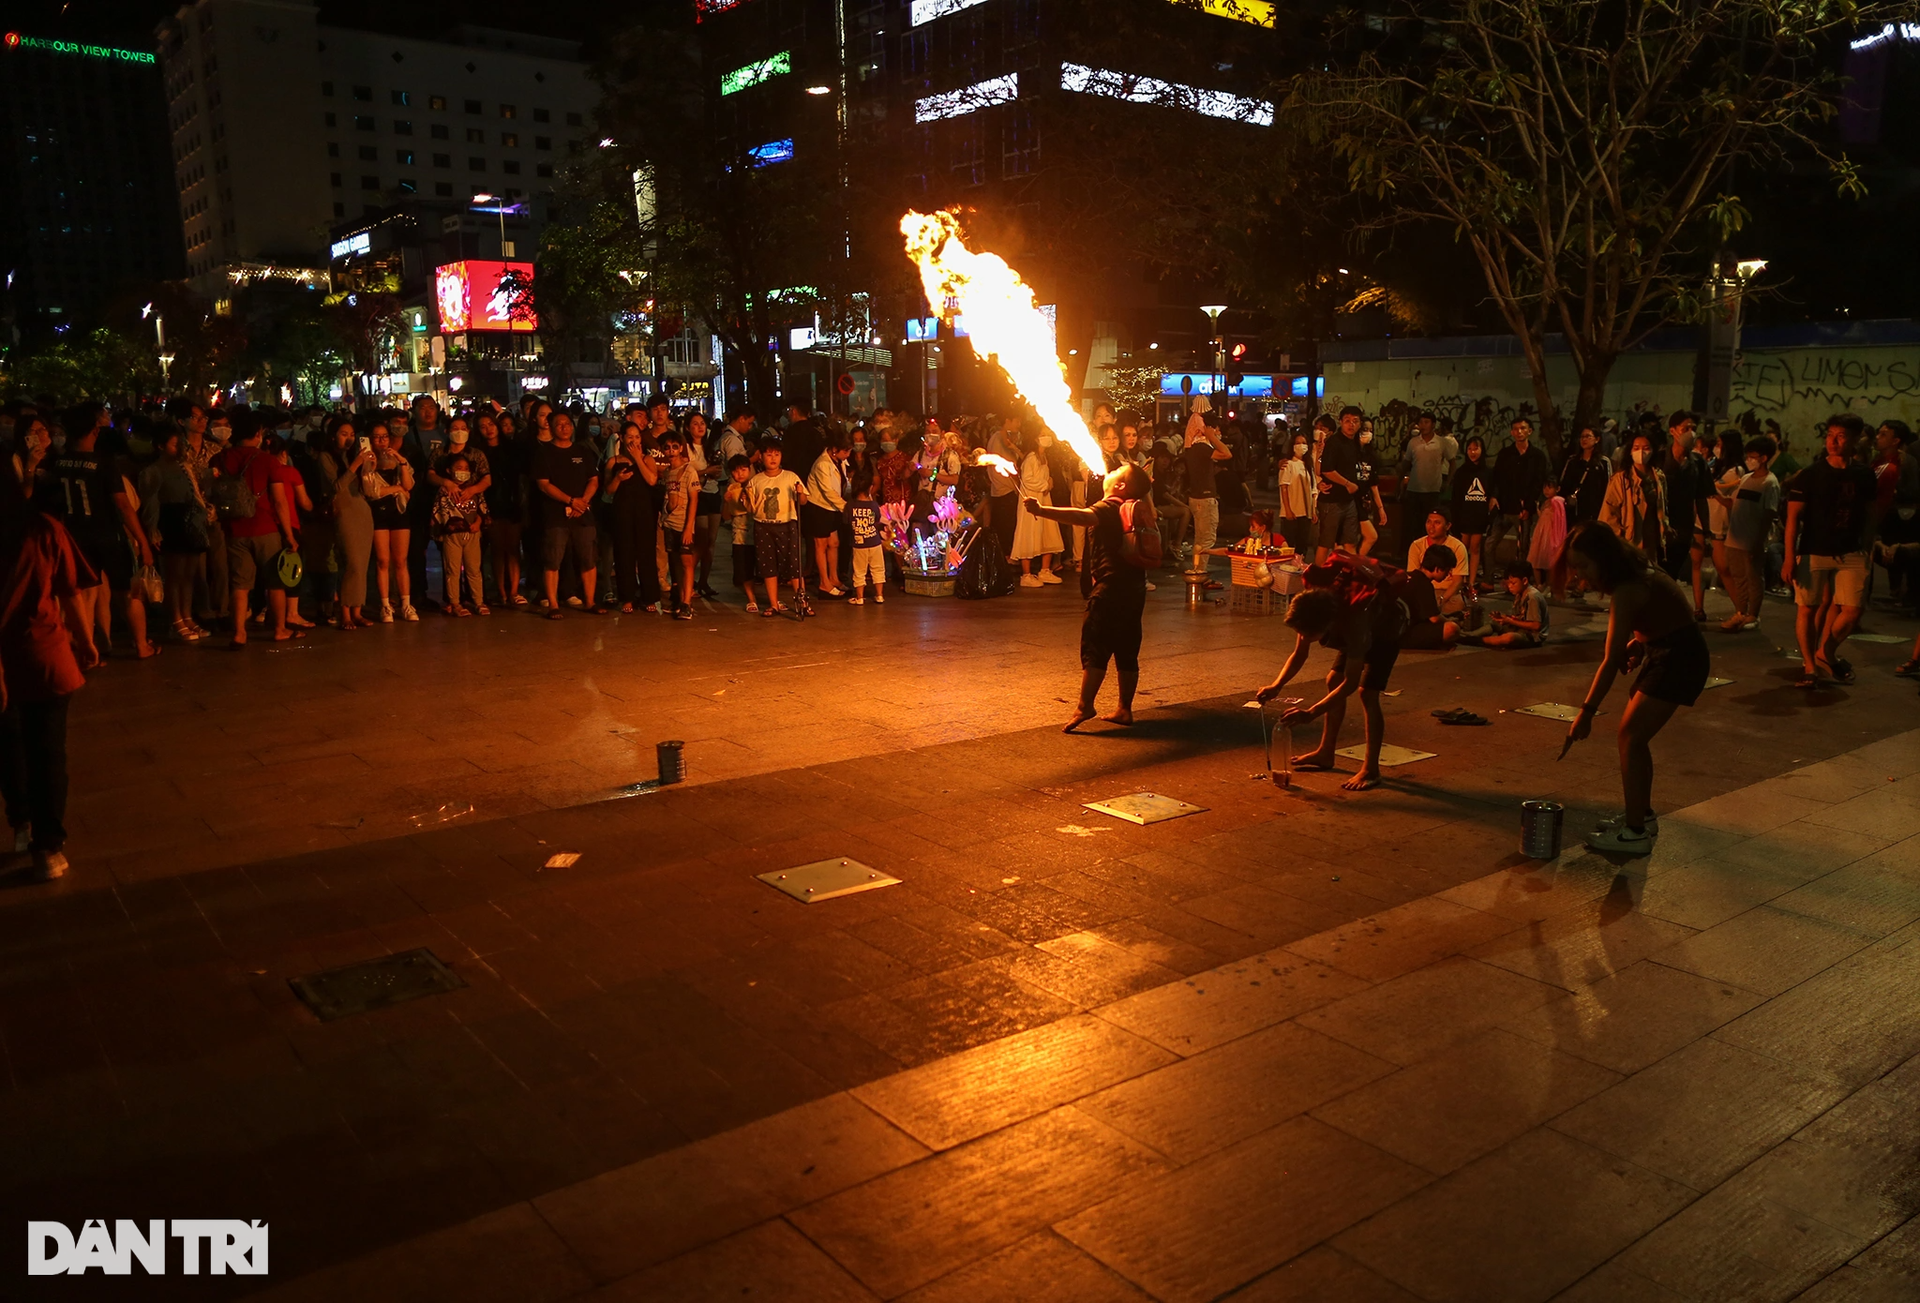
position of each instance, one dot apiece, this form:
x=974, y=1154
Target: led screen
x=470, y=296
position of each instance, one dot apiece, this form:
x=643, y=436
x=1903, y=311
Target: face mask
x=886, y=445
x=1299, y=449
x=1366, y=438
x=1753, y=464
x=1640, y=456
x=859, y=445
x=461, y=477
x=220, y=433
x=456, y=436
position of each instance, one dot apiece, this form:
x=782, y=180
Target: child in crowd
x=459, y=518
x=677, y=521
x=863, y=518
x=738, y=517
x=1752, y=505
x=1428, y=629
x=1527, y=626
x=775, y=497
x=1549, y=536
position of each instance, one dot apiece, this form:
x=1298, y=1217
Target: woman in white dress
x=1035, y=538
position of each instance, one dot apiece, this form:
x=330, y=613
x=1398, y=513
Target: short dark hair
x=1519, y=570
x=1351, y=410
x=1439, y=558
x=1616, y=559
x=659, y=400
x=1847, y=421
x=863, y=478
x=1311, y=613
x=739, y=461
x=1679, y=418
x=1762, y=445
x=769, y=445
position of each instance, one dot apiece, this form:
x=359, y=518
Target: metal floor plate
x=389, y=980
x=826, y=879
x=1551, y=710
x=1389, y=754
x=1144, y=808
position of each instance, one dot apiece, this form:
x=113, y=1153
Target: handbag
x=147, y=586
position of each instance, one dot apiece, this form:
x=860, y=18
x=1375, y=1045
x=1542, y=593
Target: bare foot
x=147, y=652
x=1365, y=780
x=1313, y=760
x=1080, y=716
x=1120, y=716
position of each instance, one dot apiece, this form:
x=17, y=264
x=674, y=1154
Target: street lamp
x=1213, y=311
x=166, y=361
x=500, y=209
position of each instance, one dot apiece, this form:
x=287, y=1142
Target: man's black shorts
x=1111, y=631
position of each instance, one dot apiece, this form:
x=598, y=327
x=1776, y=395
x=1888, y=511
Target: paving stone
x=1220, y=1222
x=771, y=1260
x=1703, y=1113
x=1868, y=896
x=1412, y=1017
x=1233, y=1091
x=1321, y=1275
x=1522, y=1223
x=633, y=1217
x=915, y=1225
x=1737, y=1246
x=1635, y=1017
x=1222, y=1004
x=1399, y=940
x=1853, y=1022
x=966, y=1095
x=1583, y=945
x=1766, y=950
x=1445, y=1111
x=1042, y=1268
x=1708, y=892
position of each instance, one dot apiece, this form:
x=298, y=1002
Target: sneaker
x=1621, y=840
x=684, y=613
x=1031, y=581
x=575, y=602
x=386, y=613
x=1152, y=587
x=856, y=601
x=1048, y=577
x=880, y=597
x=1652, y=824
x=408, y=613
x=48, y=865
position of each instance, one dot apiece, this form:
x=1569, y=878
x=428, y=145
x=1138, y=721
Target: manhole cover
x=1551, y=710
x=1144, y=807
x=826, y=879
x=392, y=979
x=1390, y=754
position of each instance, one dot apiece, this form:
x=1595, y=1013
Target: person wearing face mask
x=1752, y=505
x=1036, y=538
x=1295, y=486
x=479, y=480
x=1203, y=451
x=459, y=517
x=1373, y=511
x=1635, y=507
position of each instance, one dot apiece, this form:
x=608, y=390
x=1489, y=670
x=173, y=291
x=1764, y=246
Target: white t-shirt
x=774, y=499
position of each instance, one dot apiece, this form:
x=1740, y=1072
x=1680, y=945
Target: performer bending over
x=1651, y=620
x=1345, y=608
x=1114, y=581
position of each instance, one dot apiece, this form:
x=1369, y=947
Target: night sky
x=130, y=23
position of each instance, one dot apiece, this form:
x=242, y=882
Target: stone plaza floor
x=1300, y=1045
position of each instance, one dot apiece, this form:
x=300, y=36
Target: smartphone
x=366, y=445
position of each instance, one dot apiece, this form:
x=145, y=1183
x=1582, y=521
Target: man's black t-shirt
x=570, y=469
x=1833, y=521
x=1342, y=456
x=83, y=487
x=1689, y=486
x=1198, y=457
x=1518, y=477
x=1111, y=577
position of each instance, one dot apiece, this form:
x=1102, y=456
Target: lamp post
x=166, y=361
x=1213, y=311
x=499, y=203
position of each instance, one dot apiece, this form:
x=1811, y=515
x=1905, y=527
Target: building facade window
x=1020, y=143
x=404, y=157
x=510, y=139
x=475, y=136
x=438, y=103
x=326, y=88
x=476, y=165
x=364, y=93
x=362, y=122
x=543, y=142
x=573, y=119
x=508, y=111
x=402, y=127
x=369, y=183
x=541, y=115
x=402, y=97
x=334, y=177
x=967, y=158
x=333, y=149
x=368, y=153
x=443, y=160
x=543, y=169
x=444, y=189
x=473, y=106
x=510, y=167
x=438, y=131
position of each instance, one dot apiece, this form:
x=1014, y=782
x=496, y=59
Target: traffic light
x=1236, y=365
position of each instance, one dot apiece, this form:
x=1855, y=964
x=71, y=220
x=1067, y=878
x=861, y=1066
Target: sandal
x=556, y=614
x=1909, y=670
x=186, y=632
x=481, y=610
x=1462, y=717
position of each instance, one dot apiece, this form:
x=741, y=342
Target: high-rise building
x=282, y=127
x=88, y=206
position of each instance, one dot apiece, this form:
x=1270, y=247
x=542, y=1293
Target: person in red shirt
x=254, y=543
x=42, y=624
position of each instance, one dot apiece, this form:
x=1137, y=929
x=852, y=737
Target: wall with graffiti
x=1799, y=387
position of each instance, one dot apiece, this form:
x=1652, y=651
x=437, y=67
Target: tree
x=1587, y=152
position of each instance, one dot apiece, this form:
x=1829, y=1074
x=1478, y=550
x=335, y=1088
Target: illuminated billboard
x=1253, y=386
x=755, y=73
x=980, y=95
x=774, y=151
x=1257, y=12
x=471, y=297
x=925, y=11
x=1168, y=94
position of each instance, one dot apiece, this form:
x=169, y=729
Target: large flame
x=1002, y=321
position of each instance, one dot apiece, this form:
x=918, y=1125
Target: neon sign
x=358, y=242
x=980, y=95
x=15, y=41
x=755, y=73
x=774, y=151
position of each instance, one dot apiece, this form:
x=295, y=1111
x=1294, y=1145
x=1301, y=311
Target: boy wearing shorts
x=863, y=520
x=774, y=498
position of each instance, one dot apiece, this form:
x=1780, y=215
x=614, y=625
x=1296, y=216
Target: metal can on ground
x=1540, y=823
x=672, y=763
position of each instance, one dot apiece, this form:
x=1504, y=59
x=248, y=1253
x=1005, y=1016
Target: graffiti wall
x=1798, y=387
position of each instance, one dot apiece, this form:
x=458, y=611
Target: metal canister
x=672, y=763
x=1540, y=823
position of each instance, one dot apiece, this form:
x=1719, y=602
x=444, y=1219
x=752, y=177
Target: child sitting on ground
x=863, y=519
x=1526, y=626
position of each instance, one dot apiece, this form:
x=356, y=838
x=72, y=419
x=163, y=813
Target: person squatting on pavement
x=1351, y=605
